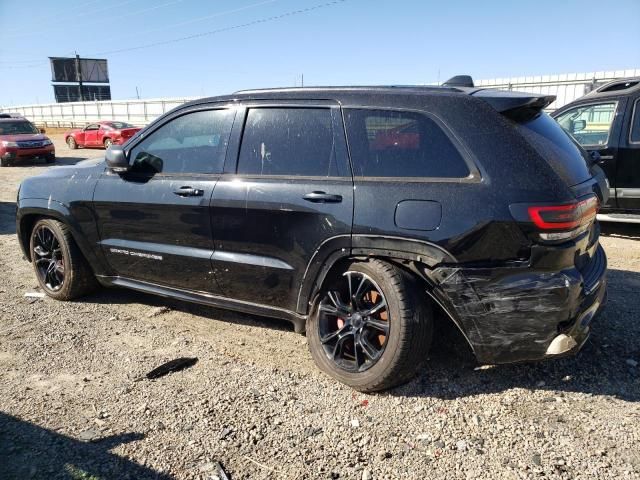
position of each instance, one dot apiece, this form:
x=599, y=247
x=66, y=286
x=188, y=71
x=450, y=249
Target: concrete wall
x=137, y=112
x=567, y=87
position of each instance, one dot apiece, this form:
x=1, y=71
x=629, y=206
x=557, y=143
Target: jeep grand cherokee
x=356, y=213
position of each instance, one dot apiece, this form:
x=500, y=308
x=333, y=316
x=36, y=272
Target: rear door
x=154, y=220
x=289, y=193
x=411, y=179
x=628, y=170
x=596, y=127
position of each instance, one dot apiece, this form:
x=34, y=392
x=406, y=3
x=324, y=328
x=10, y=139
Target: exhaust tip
x=561, y=344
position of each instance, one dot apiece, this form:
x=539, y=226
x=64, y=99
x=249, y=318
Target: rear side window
x=288, y=141
x=564, y=155
x=635, y=127
x=192, y=143
x=386, y=143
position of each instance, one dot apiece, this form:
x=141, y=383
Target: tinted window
x=589, y=124
x=193, y=143
x=17, y=128
x=635, y=128
x=401, y=144
x=288, y=141
x=93, y=126
x=119, y=125
x=561, y=152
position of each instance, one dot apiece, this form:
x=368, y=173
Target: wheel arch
x=417, y=259
x=32, y=210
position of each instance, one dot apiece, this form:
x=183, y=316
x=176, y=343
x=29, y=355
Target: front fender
x=79, y=218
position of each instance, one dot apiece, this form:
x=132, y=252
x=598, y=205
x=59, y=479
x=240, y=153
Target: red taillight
x=557, y=222
x=564, y=217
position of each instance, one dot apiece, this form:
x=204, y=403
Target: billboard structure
x=70, y=93
x=78, y=71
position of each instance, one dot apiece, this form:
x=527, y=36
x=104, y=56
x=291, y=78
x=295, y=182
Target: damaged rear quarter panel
x=512, y=313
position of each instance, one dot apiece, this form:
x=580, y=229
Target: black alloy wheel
x=48, y=258
x=354, y=323
x=370, y=326
x=61, y=269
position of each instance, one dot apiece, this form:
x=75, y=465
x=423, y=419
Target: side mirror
x=117, y=159
x=578, y=125
x=596, y=158
x=42, y=130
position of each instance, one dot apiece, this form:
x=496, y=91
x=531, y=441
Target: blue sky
x=348, y=42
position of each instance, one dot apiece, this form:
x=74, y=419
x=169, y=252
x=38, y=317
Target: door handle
x=188, y=192
x=322, y=197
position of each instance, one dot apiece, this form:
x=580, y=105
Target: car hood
x=23, y=137
x=60, y=183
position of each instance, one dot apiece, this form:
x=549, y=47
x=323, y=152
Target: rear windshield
x=567, y=159
x=119, y=125
x=17, y=128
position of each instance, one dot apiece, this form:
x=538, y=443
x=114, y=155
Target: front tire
x=370, y=327
x=51, y=158
x=62, y=271
x=71, y=143
x=4, y=162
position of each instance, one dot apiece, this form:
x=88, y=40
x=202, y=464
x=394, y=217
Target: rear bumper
x=521, y=314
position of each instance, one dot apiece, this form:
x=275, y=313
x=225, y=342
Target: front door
x=290, y=194
x=154, y=220
x=91, y=135
x=596, y=126
x=628, y=172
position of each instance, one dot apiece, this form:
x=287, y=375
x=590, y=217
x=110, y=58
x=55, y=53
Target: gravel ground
x=71, y=405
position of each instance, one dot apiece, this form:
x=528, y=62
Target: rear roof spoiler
x=518, y=106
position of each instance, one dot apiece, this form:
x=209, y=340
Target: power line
x=73, y=17
x=47, y=18
x=199, y=19
x=225, y=29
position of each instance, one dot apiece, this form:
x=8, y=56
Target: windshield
x=119, y=125
x=17, y=128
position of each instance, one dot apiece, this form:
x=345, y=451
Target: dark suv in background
x=606, y=122
x=356, y=213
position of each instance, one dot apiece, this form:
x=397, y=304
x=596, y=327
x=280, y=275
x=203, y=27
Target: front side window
x=386, y=143
x=590, y=125
x=288, y=141
x=93, y=126
x=192, y=143
x=635, y=127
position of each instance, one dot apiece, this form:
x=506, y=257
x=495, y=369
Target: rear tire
x=71, y=143
x=4, y=162
x=107, y=143
x=399, y=348
x=62, y=271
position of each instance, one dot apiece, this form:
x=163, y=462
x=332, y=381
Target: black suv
x=357, y=213
x=606, y=122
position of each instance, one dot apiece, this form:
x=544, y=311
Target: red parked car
x=100, y=134
x=21, y=140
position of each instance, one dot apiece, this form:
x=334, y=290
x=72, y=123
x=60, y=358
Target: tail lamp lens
x=559, y=222
x=564, y=217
